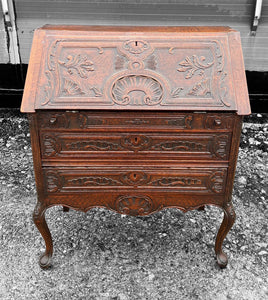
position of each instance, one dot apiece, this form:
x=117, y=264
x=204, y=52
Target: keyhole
x=136, y=139
x=134, y=175
x=136, y=43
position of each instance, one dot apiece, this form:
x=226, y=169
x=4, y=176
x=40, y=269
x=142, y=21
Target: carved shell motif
x=134, y=205
x=137, y=90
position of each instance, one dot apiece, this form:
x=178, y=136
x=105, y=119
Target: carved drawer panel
x=193, y=180
x=136, y=145
x=88, y=120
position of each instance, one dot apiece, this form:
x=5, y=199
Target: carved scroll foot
x=227, y=223
x=41, y=224
x=65, y=208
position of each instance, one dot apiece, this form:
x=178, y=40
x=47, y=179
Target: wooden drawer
x=153, y=121
x=97, y=179
x=135, y=145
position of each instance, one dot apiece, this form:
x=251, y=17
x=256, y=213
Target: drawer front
x=135, y=145
x=173, y=121
x=135, y=179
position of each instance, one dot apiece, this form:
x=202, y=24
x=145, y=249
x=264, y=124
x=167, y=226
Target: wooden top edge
x=194, y=29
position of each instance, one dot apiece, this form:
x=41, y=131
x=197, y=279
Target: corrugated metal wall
x=237, y=14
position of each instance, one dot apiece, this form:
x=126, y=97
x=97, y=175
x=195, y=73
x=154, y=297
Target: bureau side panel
x=36, y=151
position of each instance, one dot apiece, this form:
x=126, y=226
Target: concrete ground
x=106, y=256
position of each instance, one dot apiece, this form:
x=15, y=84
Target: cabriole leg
x=41, y=224
x=227, y=223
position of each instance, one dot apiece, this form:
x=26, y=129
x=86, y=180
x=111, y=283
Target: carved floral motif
x=93, y=145
x=176, y=92
x=94, y=181
x=179, y=146
x=202, y=88
x=97, y=92
x=194, y=65
x=81, y=64
x=177, y=181
x=137, y=90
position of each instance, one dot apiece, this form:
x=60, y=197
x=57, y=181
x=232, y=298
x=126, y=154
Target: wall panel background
x=237, y=14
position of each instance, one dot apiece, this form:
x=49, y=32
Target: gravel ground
x=103, y=255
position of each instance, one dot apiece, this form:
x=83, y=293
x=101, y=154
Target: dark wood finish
x=135, y=120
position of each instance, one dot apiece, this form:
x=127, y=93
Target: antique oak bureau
x=135, y=119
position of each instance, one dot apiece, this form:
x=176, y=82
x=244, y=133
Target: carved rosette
x=137, y=90
x=134, y=205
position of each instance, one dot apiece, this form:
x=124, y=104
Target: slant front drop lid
x=135, y=119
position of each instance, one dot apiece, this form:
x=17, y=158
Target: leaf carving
x=176, y=92
x=96, y=91
x=193, y=65
x=202, y=88
x=81, y=64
